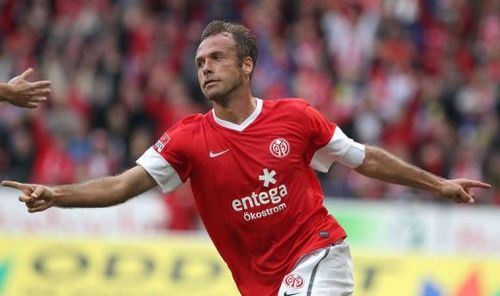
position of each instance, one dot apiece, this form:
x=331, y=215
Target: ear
x=247, y=65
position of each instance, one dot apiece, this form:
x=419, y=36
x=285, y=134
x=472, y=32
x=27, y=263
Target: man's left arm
x=382, y=165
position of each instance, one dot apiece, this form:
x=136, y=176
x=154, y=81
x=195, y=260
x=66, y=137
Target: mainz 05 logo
x=294, y=281
x=279, y=147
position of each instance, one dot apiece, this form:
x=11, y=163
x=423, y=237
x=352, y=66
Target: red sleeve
x=174, y=147
x=320, y=128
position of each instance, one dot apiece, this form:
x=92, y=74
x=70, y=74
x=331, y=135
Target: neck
x=235, y=109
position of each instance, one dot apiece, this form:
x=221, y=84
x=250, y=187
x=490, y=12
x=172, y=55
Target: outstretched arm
x=22, y=93
x=101, y=192
x=381, y=165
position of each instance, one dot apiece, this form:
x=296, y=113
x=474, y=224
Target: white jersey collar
x=242, y=126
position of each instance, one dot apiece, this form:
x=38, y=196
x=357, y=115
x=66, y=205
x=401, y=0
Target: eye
x=218, y=56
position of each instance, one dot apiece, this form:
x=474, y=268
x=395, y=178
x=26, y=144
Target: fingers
x=14, y=184
x=30, y=200
x=35, y=202
x=33, y=103
x=41, y=92
x=465, y=183
x=41, y=84
x=25, y=198
x=38, y=88
x=35, y=205
x=27, y=73
x=459, y=190
x=38, y=192
x=478, y=184
x=34, y=196
x=38, y=99
x=38, y=208
x=463, y=197
x=30, y=105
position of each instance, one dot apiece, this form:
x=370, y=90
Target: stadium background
x=417, y=77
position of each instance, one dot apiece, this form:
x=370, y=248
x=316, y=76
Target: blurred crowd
x=420, y=78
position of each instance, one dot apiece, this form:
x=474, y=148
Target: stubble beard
x=223, y=96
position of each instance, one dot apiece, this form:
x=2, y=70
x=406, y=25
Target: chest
x=253, y=158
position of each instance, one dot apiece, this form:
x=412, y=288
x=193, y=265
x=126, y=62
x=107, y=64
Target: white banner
x=410, y=226
x=388, y=225
x=144, y=214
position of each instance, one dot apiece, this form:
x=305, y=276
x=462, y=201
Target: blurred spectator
x=21, y=149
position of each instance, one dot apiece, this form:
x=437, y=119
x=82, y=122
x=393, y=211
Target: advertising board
x=191, y=266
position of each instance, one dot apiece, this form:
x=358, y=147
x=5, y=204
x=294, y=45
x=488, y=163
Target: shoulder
x=288, y=104
x=180, y=135
x=192, y=119
x=186, y=128
x=189, y=123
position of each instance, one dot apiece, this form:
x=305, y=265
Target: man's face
x=219, y=72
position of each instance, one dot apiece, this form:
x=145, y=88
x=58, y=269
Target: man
x=249, y=162
x=22, y=93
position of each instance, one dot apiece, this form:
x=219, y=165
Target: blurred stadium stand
x=420, y=78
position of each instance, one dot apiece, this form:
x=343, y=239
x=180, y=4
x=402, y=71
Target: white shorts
x=326, y=271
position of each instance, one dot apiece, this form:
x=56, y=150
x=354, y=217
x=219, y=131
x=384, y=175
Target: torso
x=259, y=200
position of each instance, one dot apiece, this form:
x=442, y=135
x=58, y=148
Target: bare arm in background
x=22, y=93
x=384, y=166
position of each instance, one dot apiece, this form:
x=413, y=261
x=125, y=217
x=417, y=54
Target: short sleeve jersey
x=254, y=188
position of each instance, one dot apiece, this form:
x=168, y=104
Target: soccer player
x=22, y=93
x=250, y=162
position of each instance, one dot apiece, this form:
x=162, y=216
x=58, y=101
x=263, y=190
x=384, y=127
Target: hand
x=23, y=93
x=458, y=190
x=36, y=197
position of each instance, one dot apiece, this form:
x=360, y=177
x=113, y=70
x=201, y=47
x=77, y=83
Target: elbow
x=369, y=165
x=366, y=168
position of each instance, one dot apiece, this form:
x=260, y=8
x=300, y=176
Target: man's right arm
x=101, y=192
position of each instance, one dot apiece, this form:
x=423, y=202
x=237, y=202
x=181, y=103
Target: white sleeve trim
x=340, y=148
x=161, y=171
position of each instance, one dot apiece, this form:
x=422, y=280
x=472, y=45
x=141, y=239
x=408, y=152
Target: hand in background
x=22, y=93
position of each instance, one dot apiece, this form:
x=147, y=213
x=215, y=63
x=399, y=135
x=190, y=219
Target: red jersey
x=259, y=199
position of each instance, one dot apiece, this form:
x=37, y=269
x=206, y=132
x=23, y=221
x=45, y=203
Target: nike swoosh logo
x=291, y=294
x=215, y=154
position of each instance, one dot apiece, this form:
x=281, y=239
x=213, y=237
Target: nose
x=207, y=67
